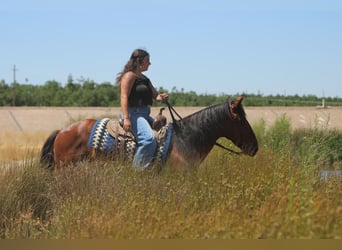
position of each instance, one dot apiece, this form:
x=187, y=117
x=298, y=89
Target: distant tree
x=5, y=99
x=86, y=92
x=49, y=93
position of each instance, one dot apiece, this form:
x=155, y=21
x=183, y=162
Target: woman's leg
x=146, y=143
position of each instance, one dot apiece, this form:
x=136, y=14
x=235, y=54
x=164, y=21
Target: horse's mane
x=210, y=115
x=214, y=112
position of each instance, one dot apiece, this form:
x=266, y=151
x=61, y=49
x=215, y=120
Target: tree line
x=88, y=93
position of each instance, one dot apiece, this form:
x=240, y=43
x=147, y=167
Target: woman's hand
x=127, y=124
x=162, y=97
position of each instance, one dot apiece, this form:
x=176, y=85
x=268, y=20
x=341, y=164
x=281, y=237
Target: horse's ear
x=239, y=100
x=234, y=105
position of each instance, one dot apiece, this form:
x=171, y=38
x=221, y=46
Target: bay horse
x=193, y=138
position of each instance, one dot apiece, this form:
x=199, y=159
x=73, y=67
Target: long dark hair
x=136, y=58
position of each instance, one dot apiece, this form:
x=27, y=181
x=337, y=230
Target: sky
x=265, y=47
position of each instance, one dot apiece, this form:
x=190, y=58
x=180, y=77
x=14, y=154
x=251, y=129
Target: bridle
x=173, y=111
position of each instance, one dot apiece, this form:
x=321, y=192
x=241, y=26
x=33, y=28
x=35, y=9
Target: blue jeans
x=146, y=143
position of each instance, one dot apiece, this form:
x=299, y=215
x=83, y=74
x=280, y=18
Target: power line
x=14, y=72
x=14, y=83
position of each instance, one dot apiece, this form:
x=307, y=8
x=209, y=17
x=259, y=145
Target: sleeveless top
x=141, y=93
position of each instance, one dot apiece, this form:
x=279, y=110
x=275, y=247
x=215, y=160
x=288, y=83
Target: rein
x=172, y=110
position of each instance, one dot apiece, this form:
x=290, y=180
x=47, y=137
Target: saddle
x=126, y=143
x=109, y=136
x=115, y=129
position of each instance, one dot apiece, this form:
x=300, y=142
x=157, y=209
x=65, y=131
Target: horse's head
x=240, y=132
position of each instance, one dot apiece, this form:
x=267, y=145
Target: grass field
x=278, y=194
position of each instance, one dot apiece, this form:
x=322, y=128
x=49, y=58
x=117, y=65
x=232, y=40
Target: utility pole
x=14, y=83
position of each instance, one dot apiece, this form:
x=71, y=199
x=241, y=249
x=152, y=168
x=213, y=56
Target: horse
x=193, y=137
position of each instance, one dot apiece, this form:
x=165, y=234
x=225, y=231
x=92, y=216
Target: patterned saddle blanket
x=108, y=136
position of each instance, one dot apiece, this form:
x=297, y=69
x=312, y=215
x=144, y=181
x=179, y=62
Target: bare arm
x=126, y=85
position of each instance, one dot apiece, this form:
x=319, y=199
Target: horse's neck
x=198, y=132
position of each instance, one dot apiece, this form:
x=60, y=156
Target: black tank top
x=141, y=93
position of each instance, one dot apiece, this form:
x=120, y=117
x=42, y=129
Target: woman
x=137, y=95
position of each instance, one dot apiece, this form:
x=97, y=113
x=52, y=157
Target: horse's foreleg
x=177, y=159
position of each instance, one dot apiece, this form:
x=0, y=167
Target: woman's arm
x=126, y=85
x=159, y=97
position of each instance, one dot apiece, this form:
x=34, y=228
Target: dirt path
x=51, y=118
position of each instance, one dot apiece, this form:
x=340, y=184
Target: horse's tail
x=46, y=156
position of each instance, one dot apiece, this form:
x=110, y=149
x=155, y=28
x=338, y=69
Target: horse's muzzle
x=250, y=150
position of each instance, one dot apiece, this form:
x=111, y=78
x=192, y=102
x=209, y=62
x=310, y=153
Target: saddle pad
x=120, y=145
x=100, y=137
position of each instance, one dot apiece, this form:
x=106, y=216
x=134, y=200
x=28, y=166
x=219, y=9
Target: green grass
x=278, y=194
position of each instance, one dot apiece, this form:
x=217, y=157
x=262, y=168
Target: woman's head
x=139, y=61
x=138, y=56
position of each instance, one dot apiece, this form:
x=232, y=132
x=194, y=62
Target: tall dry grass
x=275, y=195
x=16, y=146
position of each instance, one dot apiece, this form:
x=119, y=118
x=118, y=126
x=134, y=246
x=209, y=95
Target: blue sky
x=217, y=46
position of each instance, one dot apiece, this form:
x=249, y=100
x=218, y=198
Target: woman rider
x=137, y=95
